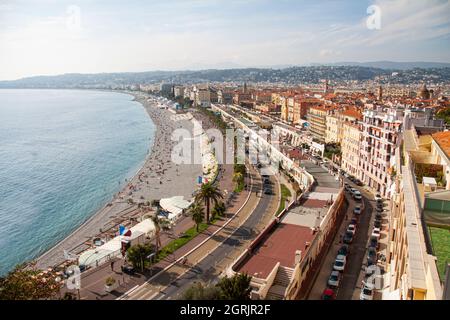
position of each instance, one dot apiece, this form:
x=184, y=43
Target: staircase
x=282, y=280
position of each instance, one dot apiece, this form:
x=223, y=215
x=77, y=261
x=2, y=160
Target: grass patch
x=440, y=239
x=285, y=193
x=187, y=236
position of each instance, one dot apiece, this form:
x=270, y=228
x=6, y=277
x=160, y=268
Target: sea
x=63, y=155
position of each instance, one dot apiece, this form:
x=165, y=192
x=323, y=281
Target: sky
x=47, y=37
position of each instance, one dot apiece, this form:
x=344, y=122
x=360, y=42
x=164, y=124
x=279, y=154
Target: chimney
x=298, y=256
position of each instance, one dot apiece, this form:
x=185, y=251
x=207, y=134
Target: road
x=205, y=271
x=358, y=248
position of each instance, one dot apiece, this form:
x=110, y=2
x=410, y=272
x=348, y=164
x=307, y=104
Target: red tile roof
x=278, y=246
x=443, y=140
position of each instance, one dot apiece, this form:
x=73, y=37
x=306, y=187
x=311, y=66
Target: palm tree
x=197, y=214
x=208, y=193
x=137, y=255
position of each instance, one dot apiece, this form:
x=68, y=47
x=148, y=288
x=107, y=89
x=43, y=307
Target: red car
x=328, y=294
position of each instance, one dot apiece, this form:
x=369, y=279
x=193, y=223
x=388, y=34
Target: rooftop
x=443, y=140
x=280, y=245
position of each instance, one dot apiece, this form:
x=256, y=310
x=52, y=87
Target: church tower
x=380, y=93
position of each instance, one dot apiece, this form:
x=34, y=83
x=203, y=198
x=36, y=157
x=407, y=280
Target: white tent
x=112, y=248
x=174, y=205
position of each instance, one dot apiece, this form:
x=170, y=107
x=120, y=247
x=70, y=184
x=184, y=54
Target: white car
x=366, y=294
x=357, y=210
x=339, y=263
x=357, y=196
x=351, y=228
x=378, y=197
x=376, y=233
x=334, y=279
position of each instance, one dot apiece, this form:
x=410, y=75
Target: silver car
x=334, y=279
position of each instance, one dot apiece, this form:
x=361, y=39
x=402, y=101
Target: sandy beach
x=158, y=178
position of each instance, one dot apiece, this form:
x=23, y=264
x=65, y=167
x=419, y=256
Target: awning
x=113, y=246
x=174, y=205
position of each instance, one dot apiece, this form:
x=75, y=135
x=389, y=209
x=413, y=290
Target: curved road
x=205, y=270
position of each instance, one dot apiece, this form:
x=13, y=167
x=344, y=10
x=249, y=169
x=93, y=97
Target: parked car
x=379, y=209
x=328, y=294
x=351, y=228
x=373, y=242
x=268, y=191
x=378, y=197
x=358, y=182
x=334, y=279
x=353, y=190
x=371, y=256
x=357, y=210
x=366, y=294
x=354, y=221
x=377, y=224
x=357, y=196
x=348, y=237
x=379, y=216
x=344, y=250
x=339, y=263
x=376, y=233
x=347, y=187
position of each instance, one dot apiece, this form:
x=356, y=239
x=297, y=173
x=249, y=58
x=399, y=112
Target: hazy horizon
x=46, y=37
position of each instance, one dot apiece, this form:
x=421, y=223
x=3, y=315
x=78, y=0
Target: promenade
x=92, y=281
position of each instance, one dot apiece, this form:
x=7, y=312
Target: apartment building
x=178, y=91
x=350, y=147
x=333, y=124
x=380, y=139
x=224, y=97
x=318, y=122
x=411, y=268
x=203, y=97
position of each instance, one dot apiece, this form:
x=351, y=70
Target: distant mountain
x=391, y=65
x=336, y=74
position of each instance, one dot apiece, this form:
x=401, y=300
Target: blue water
x=62, y=155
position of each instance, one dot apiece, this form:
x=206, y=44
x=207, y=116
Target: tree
x=208, y=192
x=198, y=291
x=197, y=214
x=138, y=254
x=235, y=288
x=27, y=283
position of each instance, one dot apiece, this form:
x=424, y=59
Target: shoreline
x=140, y=190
